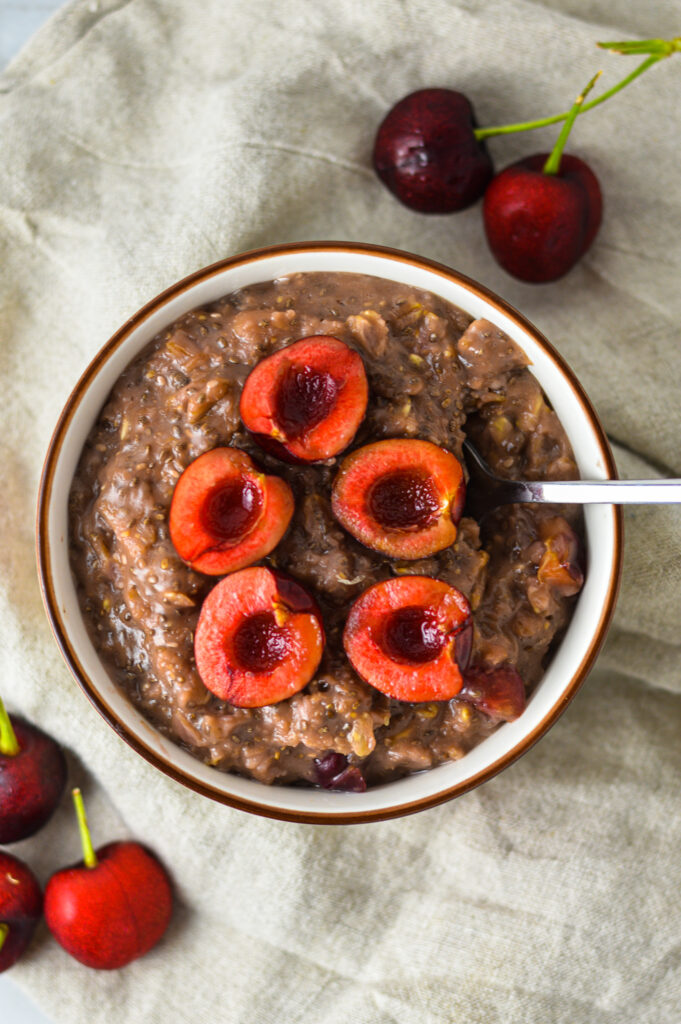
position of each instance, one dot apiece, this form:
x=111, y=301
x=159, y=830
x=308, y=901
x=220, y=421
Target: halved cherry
x=259, y=638
x=226, y=514
x=497, y=691
x=402, y=497
x=306, y=401
x=403, y=636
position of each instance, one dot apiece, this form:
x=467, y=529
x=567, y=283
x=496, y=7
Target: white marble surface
x=19, y=19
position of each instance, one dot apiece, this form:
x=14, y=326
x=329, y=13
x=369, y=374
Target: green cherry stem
x=4, y=932
x=9, y=745
x=526, y=126
x=552, y=165
x=89, y=855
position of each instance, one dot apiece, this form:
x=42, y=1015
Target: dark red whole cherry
x=542, y=213
x=427, y=154
x=113, y=906
x=21, y=904
x=32, y=778
x=539, y=225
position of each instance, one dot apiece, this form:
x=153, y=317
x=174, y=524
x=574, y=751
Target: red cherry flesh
x=21, y=904
x=539, y=225
x=31, y=780
x=259, y=638
x=427, y=154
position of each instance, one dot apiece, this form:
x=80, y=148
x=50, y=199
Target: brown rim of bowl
x=72, y=660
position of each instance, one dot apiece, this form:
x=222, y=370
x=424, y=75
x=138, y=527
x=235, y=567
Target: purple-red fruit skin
x=426, y=152
x=539, y=225
x=31, y=782
x=334, y=772
x=21, y=905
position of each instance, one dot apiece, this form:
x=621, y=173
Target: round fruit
x=305, y=402
x=259, y=638
x=226, y=514
x=409, y=638
x=427, y=154
x=21, y=904
x=32, y=778
x=539, y=225
x=402, y=497
x=112, y=907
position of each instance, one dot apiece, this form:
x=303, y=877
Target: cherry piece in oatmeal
x=226, y=514
x=497, y=692
x=402, y=497
x=407, y=637
x=306, y=401
x=259, y=638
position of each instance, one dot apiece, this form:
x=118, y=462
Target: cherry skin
x=539, y=225
x=112, y=907
x=427, y=154
x=21, y=905
x=32, y=778
x=497, y=692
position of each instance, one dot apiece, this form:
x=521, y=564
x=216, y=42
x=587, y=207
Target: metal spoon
x=487, y=491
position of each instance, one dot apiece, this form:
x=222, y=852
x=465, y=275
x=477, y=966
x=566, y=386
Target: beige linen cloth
x=144, y=139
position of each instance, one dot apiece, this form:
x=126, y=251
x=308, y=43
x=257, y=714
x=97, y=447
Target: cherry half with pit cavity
x=401, y=497
x=410, y=638
x=226, y=514
x=305, y=402
x=259, y=638
x=427, y=154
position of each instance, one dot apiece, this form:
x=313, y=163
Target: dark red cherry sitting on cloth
x=542, y=213
x=539, y=225
x=21, y=905
x=32, y=778
x=226, y=513
x=113, y=906
x=409, y=637
x=305, y=402
x=259, y=638
x=427, y=154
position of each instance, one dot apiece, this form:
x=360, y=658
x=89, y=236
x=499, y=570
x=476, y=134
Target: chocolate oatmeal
x=434, y=375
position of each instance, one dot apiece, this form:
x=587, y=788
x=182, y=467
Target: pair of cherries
x=106, y=911
x=541, y=214
x=259, y=637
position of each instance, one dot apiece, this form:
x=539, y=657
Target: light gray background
x=19, y=19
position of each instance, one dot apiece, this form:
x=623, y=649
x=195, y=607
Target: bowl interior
x=571, y=660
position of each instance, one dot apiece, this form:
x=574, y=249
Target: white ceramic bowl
x=571, y=661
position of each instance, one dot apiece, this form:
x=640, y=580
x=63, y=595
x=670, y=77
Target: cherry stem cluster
x=9, y=745
x=657, y=50
x=89, y=855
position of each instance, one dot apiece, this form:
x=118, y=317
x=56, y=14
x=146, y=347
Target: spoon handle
x=602, y=492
